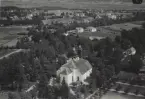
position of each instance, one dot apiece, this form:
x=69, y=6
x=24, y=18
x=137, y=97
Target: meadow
x=9, y=33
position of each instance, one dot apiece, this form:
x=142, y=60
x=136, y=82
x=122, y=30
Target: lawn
x=103, y=33
x=126, y=26
x=111, y=30
x=8, y=34
x=13, y=29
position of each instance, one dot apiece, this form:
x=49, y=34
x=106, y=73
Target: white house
x=111, y=16
x=130, y=51
x=91, y=29
x=76, y=69
x=95, y=37
x=114, y=17
x=80, y=29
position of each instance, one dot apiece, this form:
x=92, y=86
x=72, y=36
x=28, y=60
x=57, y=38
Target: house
x=65, y=34
x=114, y=17
x=95, y=38
x=111, y=16
x=142, y=73
x=79, y=13
x=87, y=19
x=130, y=51
x=76, y=69
x=98, y=17
x=80, y=29
x=91, y=29
x=65, y=21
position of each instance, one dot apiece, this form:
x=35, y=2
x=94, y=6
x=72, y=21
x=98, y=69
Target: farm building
x=80, y=29
x=91, y=29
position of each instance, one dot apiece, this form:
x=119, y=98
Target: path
x=7, y=55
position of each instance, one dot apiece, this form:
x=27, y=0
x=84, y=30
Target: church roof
x=81, y=65
x=66, y=71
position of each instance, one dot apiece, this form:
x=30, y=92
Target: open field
x=112, y=30
x=12, y=29
x=93, y=34
x=125, y=26
x=74, y=4
x=9, y=34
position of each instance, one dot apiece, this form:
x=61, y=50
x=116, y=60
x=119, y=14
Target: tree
x=42, y=86
x=126, y=90
x=118, y=39
x=124, y=34
x=64, y=90
x=126, y=44
x=143, y=25
x=70, y=53
x=59, y=46
x=136, y=63
x=51, y=52
x=13, y=95
x=36, y=38
x=21, y=77
x=25, y=95
x=118, y=87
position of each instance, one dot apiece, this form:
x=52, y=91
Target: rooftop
x=61, y=20
x=75, y=63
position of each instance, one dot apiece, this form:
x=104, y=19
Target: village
x=73, y=54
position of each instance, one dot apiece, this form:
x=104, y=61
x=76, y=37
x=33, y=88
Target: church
x=74, y=70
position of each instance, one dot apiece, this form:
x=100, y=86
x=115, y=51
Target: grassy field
x=126, y=26
x=12, y=29
x=112, y=30
x=8, y=34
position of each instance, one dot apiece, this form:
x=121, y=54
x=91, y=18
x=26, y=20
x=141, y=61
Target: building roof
x=91, y=27
x=76, y=63
x=66, y=71
x=59, y=20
